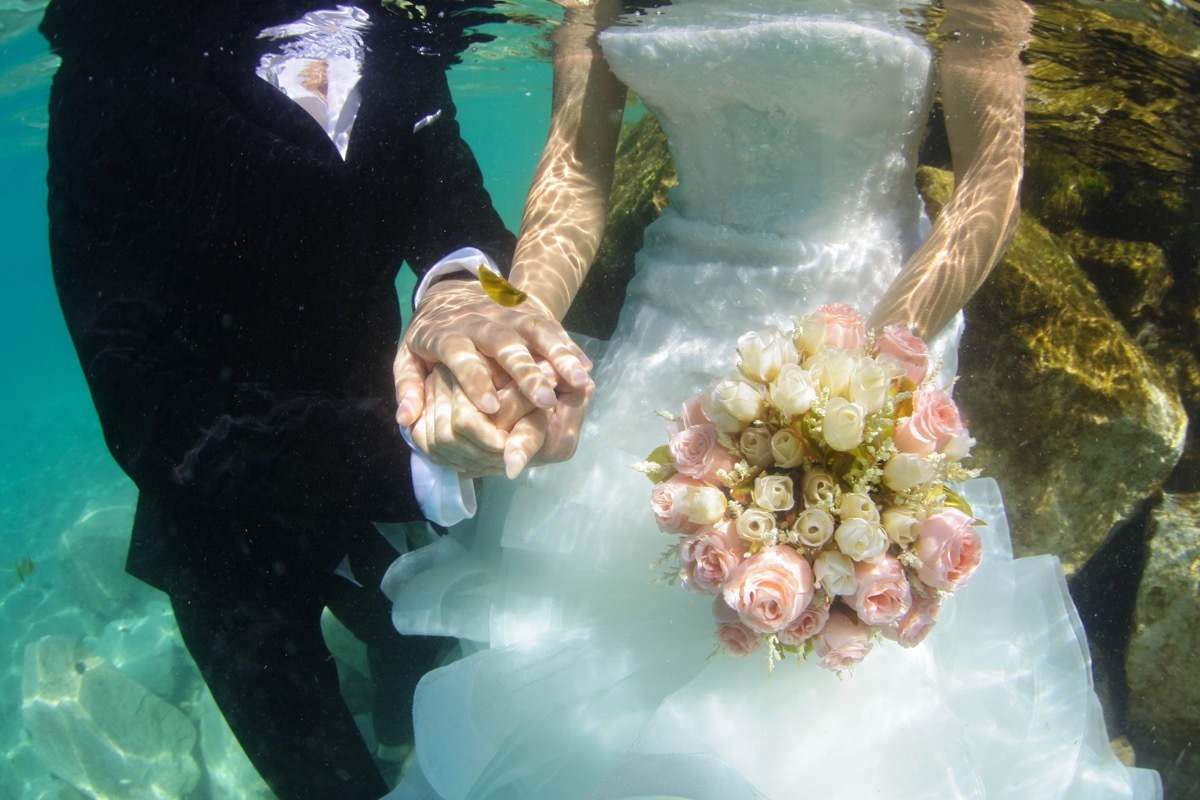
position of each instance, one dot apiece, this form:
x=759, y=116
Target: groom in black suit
x=227, y=275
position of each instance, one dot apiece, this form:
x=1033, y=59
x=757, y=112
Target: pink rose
x=770, y=589
x=669, y=514
x=949, y=549
x=917, y=623
x=883, y=594
x=807, y=625
x=844, y=327
x=908, y=349
x=693, y=414
x=934, y=423
x=843, y=642
x=731, y=633
x=707, y=558
x=697, y=453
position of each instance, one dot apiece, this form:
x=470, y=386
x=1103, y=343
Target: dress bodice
x=799, y=120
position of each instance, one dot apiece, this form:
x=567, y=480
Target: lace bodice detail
x=793, y=119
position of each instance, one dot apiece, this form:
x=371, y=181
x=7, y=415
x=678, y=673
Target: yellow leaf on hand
x=500, y=290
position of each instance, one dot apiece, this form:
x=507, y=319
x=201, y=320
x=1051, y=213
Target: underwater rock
x=1132, y=277
x=1160, y=665
x=92, y=557
x=1073, y=419
x=102, y=731
x=147, y=649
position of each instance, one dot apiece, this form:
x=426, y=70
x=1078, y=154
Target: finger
x=440, y=449
x=524, y=440
x=513, y=406
x=409, y=374
x=460, y=452
x=565, y=426
x=457, y=351
x=472, y=425
x=548, y=339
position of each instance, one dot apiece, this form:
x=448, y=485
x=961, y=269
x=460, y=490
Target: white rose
x=762, y=354
x=774, y=492
x=793, y=390
x=834, y=573
x=834, y=371
x=959, y=446
x=757, y=526
x=731, y=403
x=810, y=335
x=860, y=539
x=787, y=449
x=702, y=504
x=857, y=505
x=814, y=527
x=905, y=471
x=755, y=444
x=903, y=525
x=844, y=422
x=817, y=486
x=869, y=385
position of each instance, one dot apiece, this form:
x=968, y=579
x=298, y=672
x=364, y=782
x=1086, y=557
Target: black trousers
x=260, y=650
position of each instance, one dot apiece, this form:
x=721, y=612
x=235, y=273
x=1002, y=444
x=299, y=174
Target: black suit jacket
x=228, y=279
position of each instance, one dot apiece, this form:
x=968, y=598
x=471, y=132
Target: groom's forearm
x=568, y=200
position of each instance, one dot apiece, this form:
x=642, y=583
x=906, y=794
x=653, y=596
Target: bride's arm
x=567, y=202
x=983, y=97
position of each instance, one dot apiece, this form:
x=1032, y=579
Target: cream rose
x=787, y=449
x=707, y=558
x=807, y=625
x=774, y=492
x=763, y=353
x=844, y=423
x=906, y=349
x=883, y=594
x=755, y=444
x=770, y=589
x=959, y=446
x=834, y=573
x=817, y=487
x=869, y=385
x=857, y=505
x=810, y=334
x=731, y=404
x=756, y=526
x=814, y=527
x=860, y=539
x=668, y=509
x=905, y=471
x=915, y=625
x=732, y=633
x=934, y=423
x=793, y=390
x=834, y=371
x=902, y=525
x=702, y=504
x=949, y=549
x=843, y=642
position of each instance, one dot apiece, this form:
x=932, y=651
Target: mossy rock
x=1073, y=419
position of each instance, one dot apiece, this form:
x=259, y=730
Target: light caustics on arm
x=983, y=97
x=566, y=205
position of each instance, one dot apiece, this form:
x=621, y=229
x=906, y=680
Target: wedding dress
x=795, y=134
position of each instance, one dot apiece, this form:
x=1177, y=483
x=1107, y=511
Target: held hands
x=484, y=388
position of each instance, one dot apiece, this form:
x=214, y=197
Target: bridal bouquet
x=809, y=494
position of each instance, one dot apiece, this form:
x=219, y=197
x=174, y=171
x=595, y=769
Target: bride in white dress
x=794, y=127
